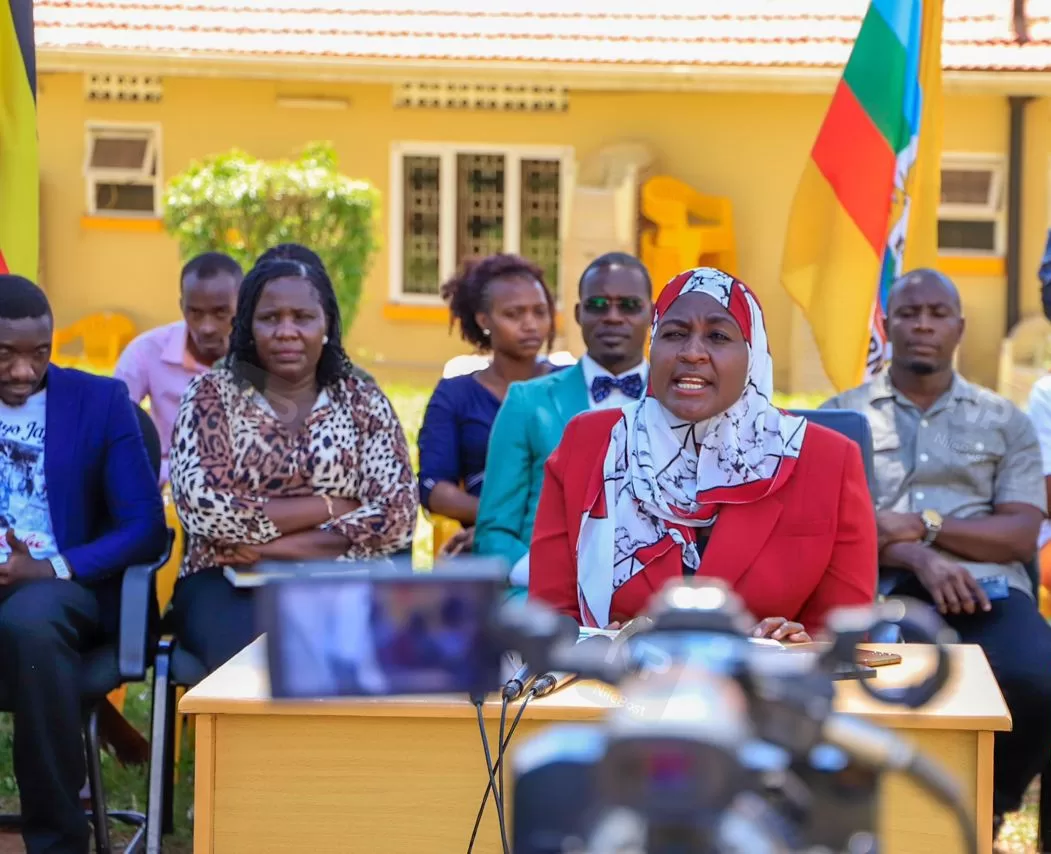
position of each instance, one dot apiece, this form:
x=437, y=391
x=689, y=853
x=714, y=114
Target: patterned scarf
x=663, y=479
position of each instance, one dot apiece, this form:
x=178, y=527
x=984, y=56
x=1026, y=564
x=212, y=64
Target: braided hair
x=467, y=294
x=243, y=360
x=292, y=252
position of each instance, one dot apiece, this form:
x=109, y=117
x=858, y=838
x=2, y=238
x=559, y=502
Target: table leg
x=204, y=786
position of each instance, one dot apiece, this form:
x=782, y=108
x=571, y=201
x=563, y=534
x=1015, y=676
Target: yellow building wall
x=748, y=147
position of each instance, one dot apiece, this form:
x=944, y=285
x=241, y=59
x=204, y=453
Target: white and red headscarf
x=663, y=479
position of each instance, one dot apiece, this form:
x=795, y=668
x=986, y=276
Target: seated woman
x=283, y=453
x=503, y=307
x=706, y=477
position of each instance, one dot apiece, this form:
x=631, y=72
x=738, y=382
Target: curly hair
x=467, y=293
x=243, y=359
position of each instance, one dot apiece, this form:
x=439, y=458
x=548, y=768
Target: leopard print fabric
x=230, y=447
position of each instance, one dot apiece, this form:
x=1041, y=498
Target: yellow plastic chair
x=444, y=528
x=102, y=336
x=167, y=575
x=688, y=229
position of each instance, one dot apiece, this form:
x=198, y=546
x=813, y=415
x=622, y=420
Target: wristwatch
x=932, y=522
x=61, y=567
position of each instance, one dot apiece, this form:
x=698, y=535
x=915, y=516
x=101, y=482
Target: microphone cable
x=490, y=786
x=886, y=751
x=478, y=704
x=500, y=750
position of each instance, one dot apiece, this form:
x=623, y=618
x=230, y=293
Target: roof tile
x=760, y=33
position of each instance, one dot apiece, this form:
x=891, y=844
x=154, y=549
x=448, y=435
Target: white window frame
x=94, y=175
x=447, y=152
x=994, y=211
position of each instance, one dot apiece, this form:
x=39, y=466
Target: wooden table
x=405, y=776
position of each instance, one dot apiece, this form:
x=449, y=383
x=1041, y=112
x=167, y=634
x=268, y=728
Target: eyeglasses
x=602, y=305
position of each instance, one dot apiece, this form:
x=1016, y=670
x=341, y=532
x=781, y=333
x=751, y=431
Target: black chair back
x=152, y=439
x=853, y=425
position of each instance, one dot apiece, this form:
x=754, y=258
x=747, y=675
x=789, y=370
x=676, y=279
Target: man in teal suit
x=614, y=313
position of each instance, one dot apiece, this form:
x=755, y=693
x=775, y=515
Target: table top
x=971, y=701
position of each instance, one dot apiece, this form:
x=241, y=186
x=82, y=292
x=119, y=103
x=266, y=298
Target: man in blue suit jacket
x=614, y=313
x=78, y=504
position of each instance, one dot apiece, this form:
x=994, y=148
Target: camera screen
x=348, y=637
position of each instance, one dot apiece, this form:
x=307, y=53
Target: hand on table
x=21, y=565
x=953, y=589
x=780, y=629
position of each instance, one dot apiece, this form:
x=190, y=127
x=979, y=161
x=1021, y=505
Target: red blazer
x=798, y=553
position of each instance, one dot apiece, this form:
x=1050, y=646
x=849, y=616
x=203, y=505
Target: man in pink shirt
x=159, y=364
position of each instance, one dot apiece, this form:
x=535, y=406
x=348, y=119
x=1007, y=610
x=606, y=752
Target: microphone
x=516, y=686
x=553, y=680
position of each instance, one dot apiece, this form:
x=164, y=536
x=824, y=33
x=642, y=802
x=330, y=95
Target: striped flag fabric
x=19, y=175
x=868, y=198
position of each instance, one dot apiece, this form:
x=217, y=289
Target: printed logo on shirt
x=23, y=491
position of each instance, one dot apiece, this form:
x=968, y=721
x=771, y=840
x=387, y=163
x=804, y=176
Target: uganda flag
x=19, y=178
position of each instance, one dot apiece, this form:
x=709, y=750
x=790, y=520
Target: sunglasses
x=625, y=305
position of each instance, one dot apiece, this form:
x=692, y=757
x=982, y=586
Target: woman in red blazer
x=705, y=476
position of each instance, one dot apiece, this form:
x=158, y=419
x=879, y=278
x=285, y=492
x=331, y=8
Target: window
x=971, y=213
x=450, y=203
x=121, y=169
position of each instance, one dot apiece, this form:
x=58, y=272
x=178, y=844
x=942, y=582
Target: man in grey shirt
x=960, y=496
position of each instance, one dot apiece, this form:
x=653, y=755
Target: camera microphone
x=587, y=650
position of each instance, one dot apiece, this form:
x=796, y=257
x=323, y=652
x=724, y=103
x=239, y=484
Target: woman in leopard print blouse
x=285, y=452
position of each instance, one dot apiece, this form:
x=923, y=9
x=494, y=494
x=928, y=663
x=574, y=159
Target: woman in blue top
x=503, y=307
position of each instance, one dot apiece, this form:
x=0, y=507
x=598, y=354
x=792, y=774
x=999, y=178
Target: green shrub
x=240, y=205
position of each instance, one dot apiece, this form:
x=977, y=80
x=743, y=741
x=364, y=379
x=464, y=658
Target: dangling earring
x=324, y=340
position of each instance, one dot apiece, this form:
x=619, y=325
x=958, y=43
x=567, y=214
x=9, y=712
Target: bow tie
x=602, y=387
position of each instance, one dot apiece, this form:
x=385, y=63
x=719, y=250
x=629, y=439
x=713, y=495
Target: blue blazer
x=106, y=508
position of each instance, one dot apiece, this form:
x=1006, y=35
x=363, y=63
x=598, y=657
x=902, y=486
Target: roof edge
x=595, y=76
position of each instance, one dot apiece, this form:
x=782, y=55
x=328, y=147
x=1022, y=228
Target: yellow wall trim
x=402, y=313
x=398, y=312
x=972, y=265
x=112, y=223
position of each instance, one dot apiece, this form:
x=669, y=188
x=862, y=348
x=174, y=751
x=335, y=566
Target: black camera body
x=718, y=743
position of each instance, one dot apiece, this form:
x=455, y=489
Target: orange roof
x=978, y=34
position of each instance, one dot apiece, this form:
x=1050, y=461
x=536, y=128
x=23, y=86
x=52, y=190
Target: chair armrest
x=138, y=603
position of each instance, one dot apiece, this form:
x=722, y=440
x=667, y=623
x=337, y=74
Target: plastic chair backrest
x=152, y=439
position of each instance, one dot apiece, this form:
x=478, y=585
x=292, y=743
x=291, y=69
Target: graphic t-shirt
x=23, y=491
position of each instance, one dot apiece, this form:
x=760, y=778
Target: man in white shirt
x=614, y=314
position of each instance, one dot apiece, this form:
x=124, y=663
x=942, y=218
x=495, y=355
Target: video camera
x=716, y=743
x=720, y=743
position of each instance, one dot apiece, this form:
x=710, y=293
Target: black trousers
x=1016, y=640
x=211, y=618
x=44, y=627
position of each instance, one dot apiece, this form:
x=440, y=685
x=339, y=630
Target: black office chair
x=111, y=665
x=854, y=425
x=851, y=424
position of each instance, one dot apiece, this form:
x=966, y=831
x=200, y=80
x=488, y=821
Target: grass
x=126, y=786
